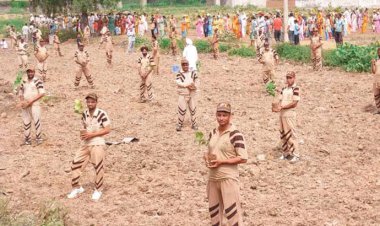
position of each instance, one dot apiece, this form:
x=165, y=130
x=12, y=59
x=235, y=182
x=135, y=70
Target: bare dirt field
x=161, y=180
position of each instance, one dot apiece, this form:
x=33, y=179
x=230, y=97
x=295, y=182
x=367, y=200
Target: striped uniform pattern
x=82, y=56
x=146, y=84
x=32, y=113
x=287, y=128
x=92, y=151
x=187, y=101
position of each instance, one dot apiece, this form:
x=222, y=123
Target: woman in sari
x=199, y=27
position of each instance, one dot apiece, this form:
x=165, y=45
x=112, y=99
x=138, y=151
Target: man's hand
x=215, y=163
x=87, y=135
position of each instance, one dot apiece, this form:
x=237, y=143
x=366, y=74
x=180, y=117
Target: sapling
x=78, y=107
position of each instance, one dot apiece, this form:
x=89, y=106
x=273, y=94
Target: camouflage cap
x=223, y=107
x=92, y=96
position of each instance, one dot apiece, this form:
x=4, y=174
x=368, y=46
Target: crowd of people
x=226, y=143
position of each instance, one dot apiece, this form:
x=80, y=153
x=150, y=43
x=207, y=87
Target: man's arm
x=101, y=132
x=231, y=161
x=291, y=105
x=373, y=66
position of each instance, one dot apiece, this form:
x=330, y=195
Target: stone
x=3, y=115
x=261, y=157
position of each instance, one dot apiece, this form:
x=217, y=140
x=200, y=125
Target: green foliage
x=19, y=4
x=65, y=35
x=224, y=47
x=227, y=36
x=78, y=107
x=9, y=219
x=164, y=43
x=200, y=138
x=294, y=52
x=18, y=80
x=17, y=23
x=242, y=52
x=143, y=41
x=203, y=46
x=271, y=88
x=351, y=57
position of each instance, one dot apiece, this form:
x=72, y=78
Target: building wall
x=338, y=3
x=278, y=4
x=259, y=3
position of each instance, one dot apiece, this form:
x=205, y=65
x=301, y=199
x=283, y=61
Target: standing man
x=268, y=59
x=173, y=41
x=131, y=38
x=31, y=90
x=226, y=150
x=96, y=124
x=146, y=65
x=41, y=54
x=289, y=98
x=109, y=46
x=81, y=59
x=187, y=85
x=25, y=32
x=190, y=53
x=277, y=26
x=260, y=43
x=156, y=54
x=22, y=52
x=338, y=30
x=375, y=66
x=291, y=26
x=57, y=44
x=215, y=44
x=316, y=50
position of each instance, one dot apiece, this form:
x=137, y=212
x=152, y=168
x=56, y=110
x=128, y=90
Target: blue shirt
x=296, y=29
x=338, y=25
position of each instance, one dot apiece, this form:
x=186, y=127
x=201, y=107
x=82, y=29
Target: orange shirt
x=277, y=24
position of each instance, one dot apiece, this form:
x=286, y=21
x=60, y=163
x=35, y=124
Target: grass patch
x=242, y=52
x=51, y=213
x=17, y=23
x=294, y=52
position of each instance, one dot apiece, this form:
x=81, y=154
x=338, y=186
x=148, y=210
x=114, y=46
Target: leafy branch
x=200, y=138
x=271, y=88
x=78, y=107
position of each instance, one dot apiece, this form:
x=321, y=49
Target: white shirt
x=4, y=44
x=191, y=54
x=25, y=30
x=291, y=23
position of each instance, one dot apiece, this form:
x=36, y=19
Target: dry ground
x=162, y=180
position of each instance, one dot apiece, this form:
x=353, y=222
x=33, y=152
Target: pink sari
x=199, y=28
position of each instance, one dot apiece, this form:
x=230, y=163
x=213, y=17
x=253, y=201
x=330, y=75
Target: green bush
x=224, y=47
x=351, y=57
x=17, y=23
x=294, y=52
x=228, y=36
x=65, y=35
x=164, y=43
x=143, y=41
x=19, y=4
x=242, y=51
x=203, y=46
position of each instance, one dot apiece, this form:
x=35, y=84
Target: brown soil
x=162, y=179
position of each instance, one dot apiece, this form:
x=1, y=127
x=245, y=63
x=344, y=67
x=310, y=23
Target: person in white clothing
x=190, y=53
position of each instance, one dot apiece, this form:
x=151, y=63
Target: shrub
x=227, y=36
x=351, y=57
x=164, y=43
x=242, y=51
x=63, y=35
x=203, y=46
x=294, y=52
x=17, y=23
x=143, y=41
x=224, y=47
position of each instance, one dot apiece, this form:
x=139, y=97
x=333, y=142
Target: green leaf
x=78, y=107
